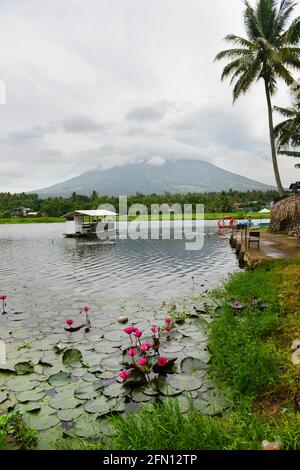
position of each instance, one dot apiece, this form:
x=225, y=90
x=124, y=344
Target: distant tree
x=267, y=53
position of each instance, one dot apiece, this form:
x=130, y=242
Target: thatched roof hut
x=285, y=216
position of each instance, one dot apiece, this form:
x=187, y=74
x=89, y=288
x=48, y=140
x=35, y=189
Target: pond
x=38, y=257
x=48, y=279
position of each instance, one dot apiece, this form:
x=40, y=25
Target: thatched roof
x=288, y=208
x=285, y=215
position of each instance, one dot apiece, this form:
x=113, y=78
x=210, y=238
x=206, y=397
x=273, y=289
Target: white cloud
x=104, y=82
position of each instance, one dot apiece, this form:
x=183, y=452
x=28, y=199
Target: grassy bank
x=32, y=220
x=251, y=362
x=207, y=216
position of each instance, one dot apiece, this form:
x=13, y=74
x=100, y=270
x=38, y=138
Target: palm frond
x=251, y=22
x=231, y=53
x=283, y=73
x=238, y=40
x=287, y=112
x=290, y=153
x=292, y=35
x=241, y=63
x=250, y=75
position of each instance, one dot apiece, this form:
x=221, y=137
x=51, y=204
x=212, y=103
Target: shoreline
x=207, y=216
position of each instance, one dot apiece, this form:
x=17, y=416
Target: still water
x=36, y=256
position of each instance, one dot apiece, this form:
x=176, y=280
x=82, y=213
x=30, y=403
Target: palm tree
x=268, y=53
x=287, y=132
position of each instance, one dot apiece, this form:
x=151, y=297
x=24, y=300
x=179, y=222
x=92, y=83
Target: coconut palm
x=287, y=132
x=268, y=53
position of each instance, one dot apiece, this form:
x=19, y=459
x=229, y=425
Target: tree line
x=225, y=201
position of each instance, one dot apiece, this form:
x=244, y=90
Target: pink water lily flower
x=154, y=329
x=168, y=328
x=168, y=320
x=69, y=322
x=132, y=352
x=142, y=361
x=138, y=333
x=124, y=374
x=129, y=330
x=162, y=361
x=3, y=297
x=86, y=308
x=146, y=346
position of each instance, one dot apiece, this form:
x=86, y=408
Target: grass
x=32, y=220
x=164, y=427
x=207, y=216
x=14, y=434
x=252, y=350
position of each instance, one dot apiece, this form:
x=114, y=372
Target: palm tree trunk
x=272, y=142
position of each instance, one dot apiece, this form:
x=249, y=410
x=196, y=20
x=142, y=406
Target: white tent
x=265, y=211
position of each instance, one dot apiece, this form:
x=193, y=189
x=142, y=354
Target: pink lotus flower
x=162, y=361
x=86, y=308
x=3, y=297
x=168, y=320
x=142, y=362
x=168, y=328
x=132, y=352
x=129, y=330
x=138, y=333
x=146, y=346
x=154, y=329
x=124, y=374
x=69, y=322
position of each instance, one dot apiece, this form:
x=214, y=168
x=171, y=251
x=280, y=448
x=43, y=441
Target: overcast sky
x=102, y=82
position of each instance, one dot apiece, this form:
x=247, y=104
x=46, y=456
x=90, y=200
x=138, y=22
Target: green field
x=207, y=216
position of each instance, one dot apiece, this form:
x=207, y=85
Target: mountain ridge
x=173, y=176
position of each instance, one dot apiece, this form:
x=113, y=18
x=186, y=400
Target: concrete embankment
x=270, y=246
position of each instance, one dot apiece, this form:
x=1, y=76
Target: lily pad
x=30, y=407
x=21, y=383
x=184, y=382
x=64, y=400
x=23, y=368
x=101, y=405
x=140, y=397
x=87, y=391
x=119, y=406
x=86, y=426
x=3, y=396
x=88, y=377
x=41, y=422
x=114, y=390
x=107, y=375
x=72, y=358
x=165, y=388
x=111, y=363
x=60, y=379
x=192, y=366
x=106, y=427
x=31, y=395
x=7, y=405
x=70, y=415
